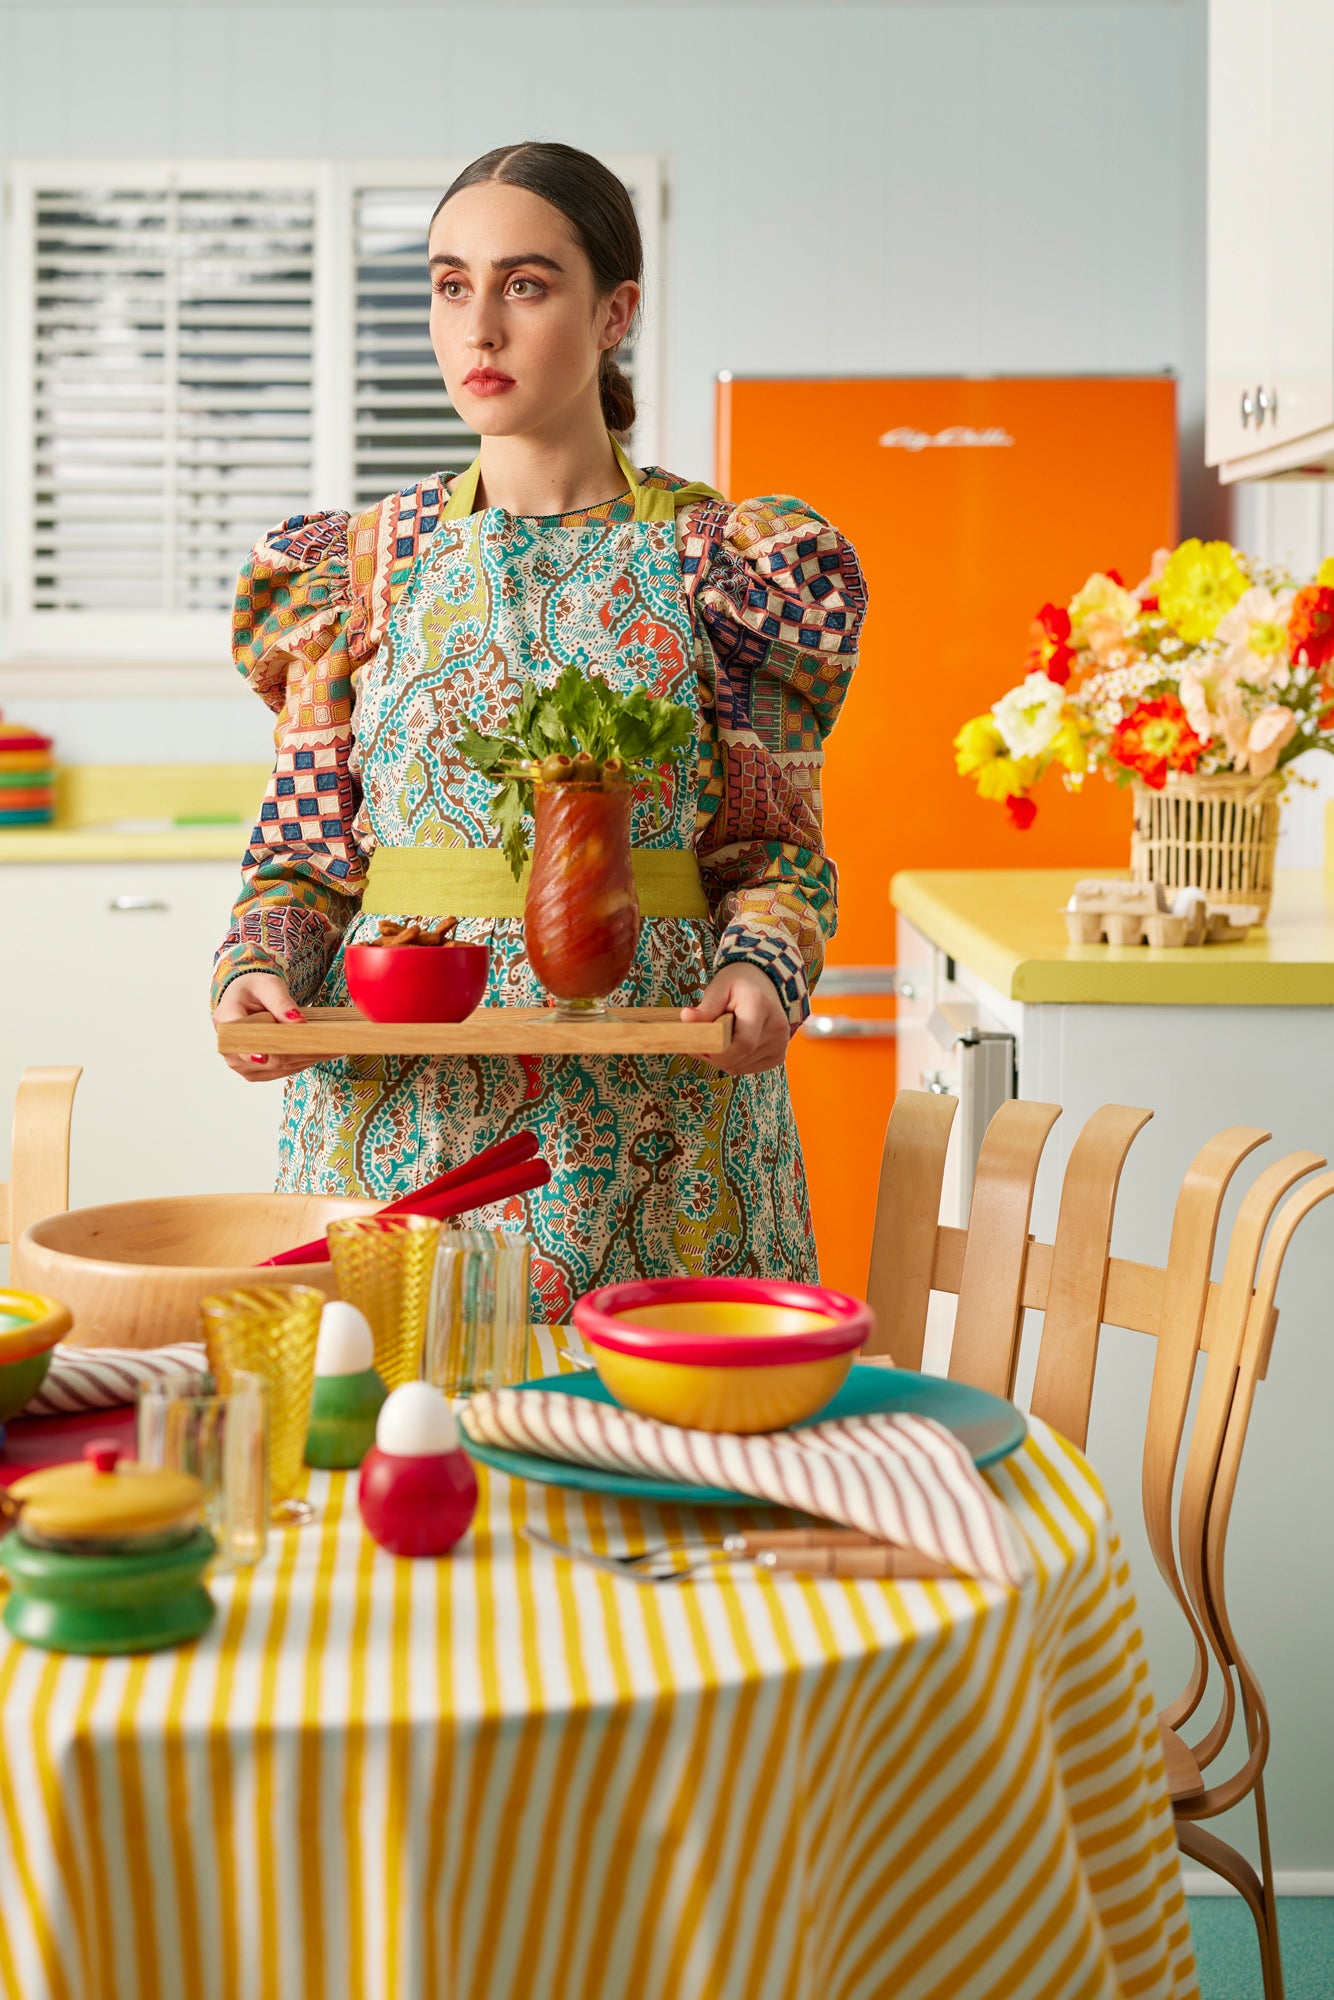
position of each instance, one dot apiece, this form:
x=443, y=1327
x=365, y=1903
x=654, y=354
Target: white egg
x=416, y=1422
x=345, y=1346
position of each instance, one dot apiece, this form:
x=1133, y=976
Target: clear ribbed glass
x=480, y=1326
x=222, y=1441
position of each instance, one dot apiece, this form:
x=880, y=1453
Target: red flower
x=1149, y=601
x=1311, y=627
x=1156, y=738
x=1116, y=577
x=1021, y=809
x=1050, y=654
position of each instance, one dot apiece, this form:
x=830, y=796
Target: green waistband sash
x=476, y=882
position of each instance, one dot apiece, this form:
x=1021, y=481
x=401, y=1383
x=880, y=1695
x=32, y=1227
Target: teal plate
x=990, y=1427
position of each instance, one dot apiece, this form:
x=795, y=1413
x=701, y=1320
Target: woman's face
x=516, y=324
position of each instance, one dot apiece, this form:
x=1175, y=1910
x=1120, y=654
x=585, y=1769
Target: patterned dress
x=374, y=640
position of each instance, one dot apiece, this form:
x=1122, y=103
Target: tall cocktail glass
x=271, y=1330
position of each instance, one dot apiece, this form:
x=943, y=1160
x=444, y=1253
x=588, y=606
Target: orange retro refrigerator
x=971, y=502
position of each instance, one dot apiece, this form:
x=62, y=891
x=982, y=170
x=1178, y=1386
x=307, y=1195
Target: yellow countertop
x=142, y=812
x=1005, y=927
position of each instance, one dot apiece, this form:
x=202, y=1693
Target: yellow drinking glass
x=271, y=1330
x=385, y=1264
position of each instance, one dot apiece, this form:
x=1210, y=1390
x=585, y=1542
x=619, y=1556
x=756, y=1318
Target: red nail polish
x=258, y=1059
x=295, y=1014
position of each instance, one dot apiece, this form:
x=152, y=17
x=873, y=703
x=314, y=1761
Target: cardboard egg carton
x=1139, y=913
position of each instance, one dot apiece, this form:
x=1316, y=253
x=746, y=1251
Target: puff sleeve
x=298, y=639
x=780, y=596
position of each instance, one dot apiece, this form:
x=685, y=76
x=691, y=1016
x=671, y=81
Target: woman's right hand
x=261, y=993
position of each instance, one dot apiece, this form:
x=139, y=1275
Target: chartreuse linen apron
x=660, y=1164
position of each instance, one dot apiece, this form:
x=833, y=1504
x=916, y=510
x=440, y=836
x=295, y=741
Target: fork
x=652, y=1566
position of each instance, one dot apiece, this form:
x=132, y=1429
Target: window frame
x=46, y=652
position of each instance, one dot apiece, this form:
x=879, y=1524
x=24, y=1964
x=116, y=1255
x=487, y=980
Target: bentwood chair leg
x=1271, y=1962
x=1198, y=1844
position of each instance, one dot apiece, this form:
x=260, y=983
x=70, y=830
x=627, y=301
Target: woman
x=377, y=640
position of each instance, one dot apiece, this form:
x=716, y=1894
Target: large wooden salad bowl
x=133, y=1272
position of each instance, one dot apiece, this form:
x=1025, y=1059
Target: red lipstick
x=487, y=382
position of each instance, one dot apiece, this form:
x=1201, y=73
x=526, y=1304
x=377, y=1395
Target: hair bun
x=617, y=394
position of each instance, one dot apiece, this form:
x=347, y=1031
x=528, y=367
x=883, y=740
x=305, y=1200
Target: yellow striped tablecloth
x=506, y=1777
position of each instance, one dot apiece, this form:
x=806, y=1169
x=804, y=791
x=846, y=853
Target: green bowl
x=30, y=1326
x=20, y=1381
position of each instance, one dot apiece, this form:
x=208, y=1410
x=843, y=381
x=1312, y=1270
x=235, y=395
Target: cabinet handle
x=1247, y=408
x=120, y=904
x=1265, y=402
x=934, y=1081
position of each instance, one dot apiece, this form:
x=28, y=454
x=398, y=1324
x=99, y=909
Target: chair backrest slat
x=1253, y=1362
x=1077, y=1280
x=1185, y=1300
x=912, y=1172
x=991, y=1284
x=39, y=1159
x=1214, y=1409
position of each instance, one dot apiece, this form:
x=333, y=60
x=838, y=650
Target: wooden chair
x=38, y=1183
x=997, y=1271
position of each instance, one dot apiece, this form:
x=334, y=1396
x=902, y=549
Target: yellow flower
x=1324, y=576
x=1103, y=604
x=1069, y=747
x=976, y=744
x=1202, y=582
x=980, y=753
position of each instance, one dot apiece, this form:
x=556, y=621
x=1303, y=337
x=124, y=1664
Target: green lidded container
x=106, y=1558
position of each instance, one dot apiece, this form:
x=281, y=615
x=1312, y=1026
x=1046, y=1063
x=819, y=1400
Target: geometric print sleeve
x=302, y=875
x=780, y=598
x=311, y=608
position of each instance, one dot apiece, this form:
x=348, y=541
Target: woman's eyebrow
x=497, y=263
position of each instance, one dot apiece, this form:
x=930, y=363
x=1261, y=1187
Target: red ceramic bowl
x=411, y=982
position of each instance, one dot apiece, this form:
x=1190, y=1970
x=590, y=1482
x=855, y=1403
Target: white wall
x=856, y=188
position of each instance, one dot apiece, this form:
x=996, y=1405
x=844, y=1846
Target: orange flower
x=1156, y=738
x=1311, y=626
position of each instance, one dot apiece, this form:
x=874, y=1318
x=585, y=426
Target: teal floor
x=1229, y=1959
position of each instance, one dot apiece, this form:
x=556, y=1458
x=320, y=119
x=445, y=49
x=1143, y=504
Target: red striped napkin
x=102, y=1378
x=903, y=1479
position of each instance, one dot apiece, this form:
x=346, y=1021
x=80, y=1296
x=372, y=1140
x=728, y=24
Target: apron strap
x=652, y=503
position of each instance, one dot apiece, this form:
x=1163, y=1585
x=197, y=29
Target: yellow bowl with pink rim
x=30, y=1326
x=722, y=1354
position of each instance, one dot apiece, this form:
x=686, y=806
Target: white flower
x=1029, y=716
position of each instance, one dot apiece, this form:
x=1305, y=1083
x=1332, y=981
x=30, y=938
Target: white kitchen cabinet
x=107, y=964
x=1270, y=389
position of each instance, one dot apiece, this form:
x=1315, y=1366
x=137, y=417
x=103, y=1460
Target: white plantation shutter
x=197, y=350
x=406, y=426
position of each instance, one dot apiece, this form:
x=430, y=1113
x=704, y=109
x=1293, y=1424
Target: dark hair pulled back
x=599, y=210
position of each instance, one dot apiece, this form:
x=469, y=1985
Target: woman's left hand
x=761, y=1030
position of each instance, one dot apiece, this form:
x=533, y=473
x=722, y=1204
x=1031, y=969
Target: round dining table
x=506, y=1775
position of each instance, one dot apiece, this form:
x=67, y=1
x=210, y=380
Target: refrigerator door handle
x=844, y=982
x=847, y=1028
x=853, y=982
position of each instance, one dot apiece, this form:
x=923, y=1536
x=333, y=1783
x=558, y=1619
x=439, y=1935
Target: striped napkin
x=903, y=1479
x=103, y=1378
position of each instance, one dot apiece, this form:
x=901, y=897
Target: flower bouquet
x=1198, y=687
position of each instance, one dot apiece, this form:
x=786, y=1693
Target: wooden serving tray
x=489, y=1031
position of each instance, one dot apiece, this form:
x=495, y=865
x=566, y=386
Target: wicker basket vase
x=1216, y=834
